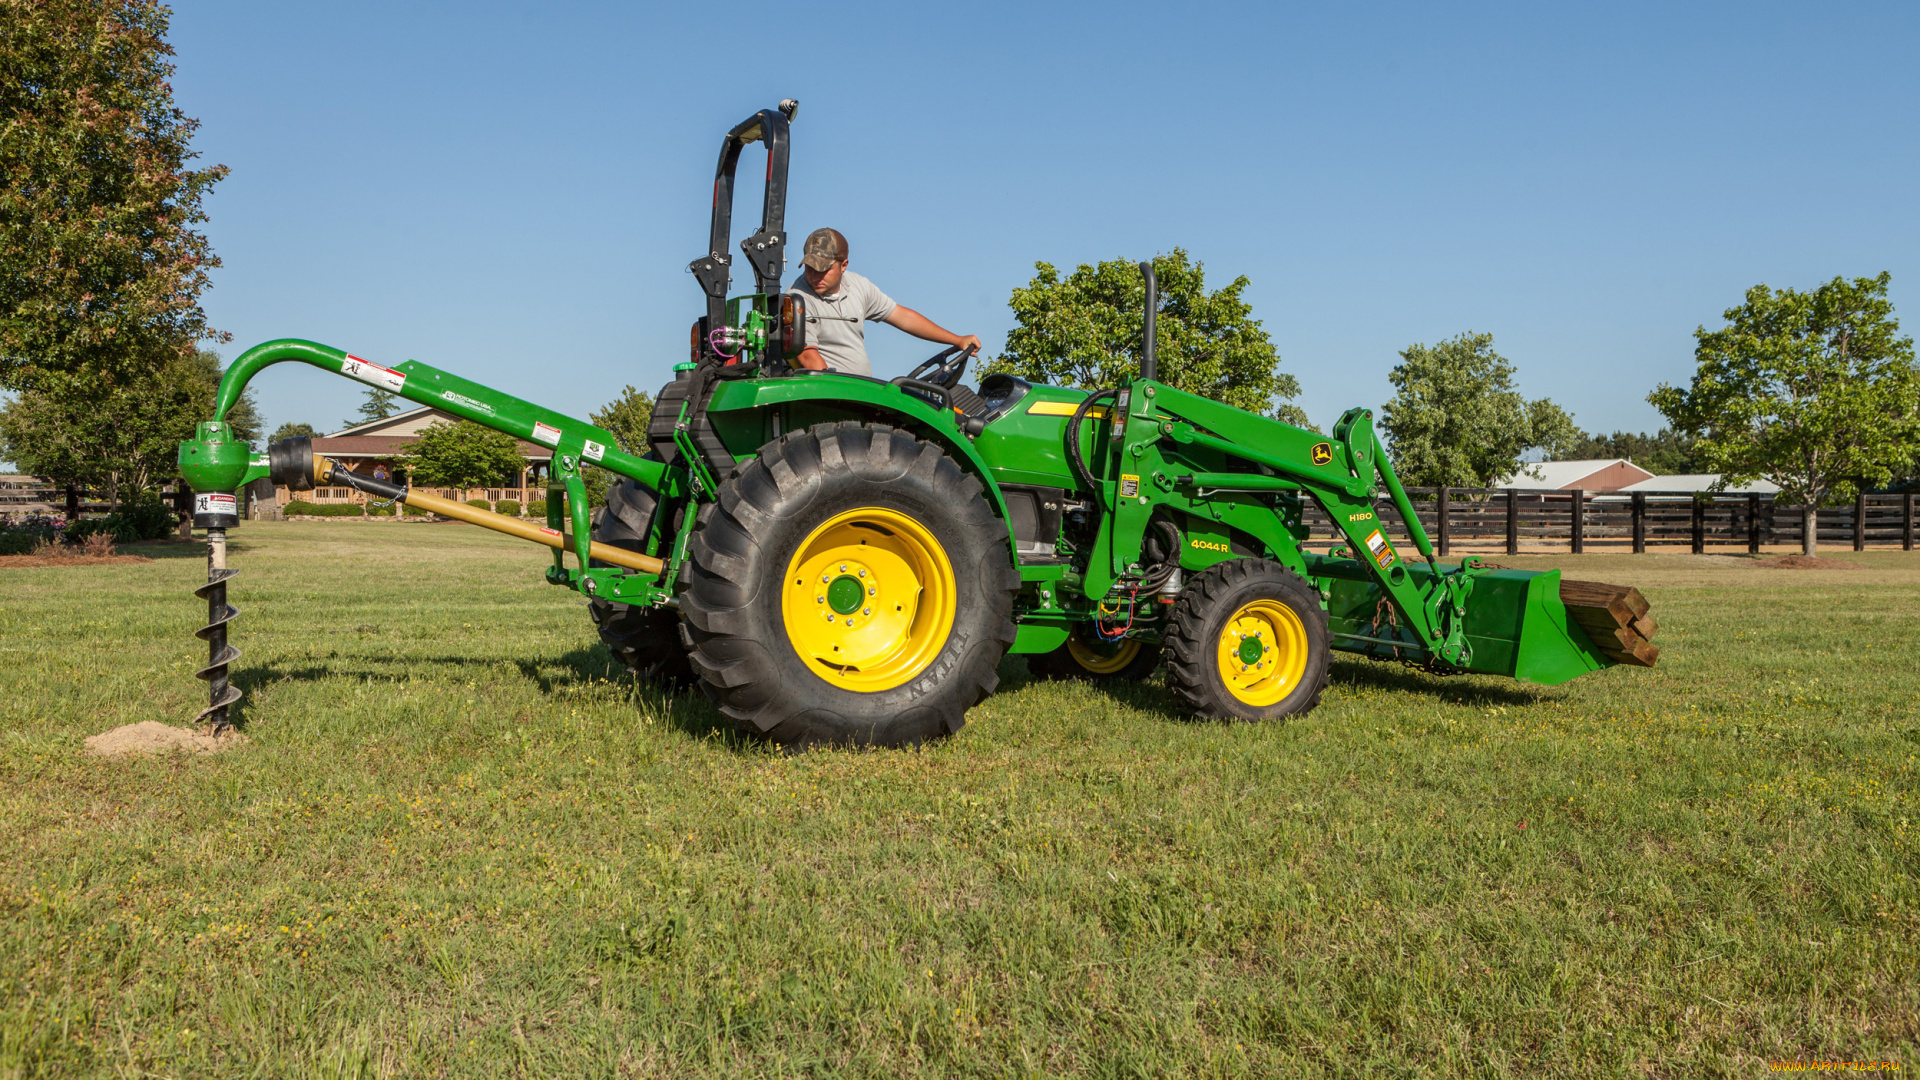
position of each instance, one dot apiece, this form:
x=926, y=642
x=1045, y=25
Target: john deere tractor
x=839, y=559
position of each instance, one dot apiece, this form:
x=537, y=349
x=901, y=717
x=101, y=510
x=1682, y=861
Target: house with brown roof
x=376, y=448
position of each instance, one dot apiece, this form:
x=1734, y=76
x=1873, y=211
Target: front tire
x=1126, y=660
x=1248, y=641
x=851, y=587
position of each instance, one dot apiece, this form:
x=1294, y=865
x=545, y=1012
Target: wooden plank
x=1646, y=625
x=1645, y=654
x=1598, y=594
x=1607, y=636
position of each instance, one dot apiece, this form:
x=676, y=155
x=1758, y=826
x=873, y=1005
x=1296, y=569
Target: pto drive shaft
x=294, y=463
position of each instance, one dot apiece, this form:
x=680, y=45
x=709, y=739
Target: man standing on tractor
x=839, y=302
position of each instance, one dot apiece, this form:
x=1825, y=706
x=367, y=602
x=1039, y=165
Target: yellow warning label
x=1129, y=485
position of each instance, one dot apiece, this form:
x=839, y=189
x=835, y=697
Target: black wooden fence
x=1487, y=519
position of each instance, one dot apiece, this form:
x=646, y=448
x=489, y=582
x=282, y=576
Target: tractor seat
x=967, y=403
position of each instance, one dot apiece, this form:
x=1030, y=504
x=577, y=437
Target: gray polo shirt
x=834, y=323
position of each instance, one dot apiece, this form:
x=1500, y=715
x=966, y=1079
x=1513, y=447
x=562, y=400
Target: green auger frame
x=1019, y=518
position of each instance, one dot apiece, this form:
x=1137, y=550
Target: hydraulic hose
x=1074, y=456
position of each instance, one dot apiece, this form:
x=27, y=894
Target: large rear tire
x=852, y=586
x=1248, y=641
x=645, y=639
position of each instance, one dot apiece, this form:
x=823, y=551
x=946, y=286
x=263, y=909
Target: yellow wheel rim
x=1263, y=652
x=868, y=599
x=1103, y=659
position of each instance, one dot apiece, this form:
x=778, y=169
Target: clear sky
x=513, y=192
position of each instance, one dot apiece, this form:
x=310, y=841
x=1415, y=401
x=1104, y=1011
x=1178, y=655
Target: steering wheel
x=942, y=369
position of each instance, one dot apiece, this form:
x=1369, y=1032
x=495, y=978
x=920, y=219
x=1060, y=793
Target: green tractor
x=845, y=560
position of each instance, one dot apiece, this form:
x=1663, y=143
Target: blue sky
x=512, y=192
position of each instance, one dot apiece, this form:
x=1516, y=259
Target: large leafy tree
x=627, y=417
x=121, y=436
x=1084, y=330
x=1456, y=420
x=292, y=430
x=1815, y=391
x=101, y=267
x=463, y=455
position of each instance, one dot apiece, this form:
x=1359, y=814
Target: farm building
x=1601, y=474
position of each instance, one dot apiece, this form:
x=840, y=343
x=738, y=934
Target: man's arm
x=905, y=318
x=811, y=359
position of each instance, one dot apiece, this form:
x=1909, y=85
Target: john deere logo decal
x=1321, y=453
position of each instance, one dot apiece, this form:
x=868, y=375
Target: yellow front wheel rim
x=869, y=599
x=1097, y=661
x=1262, y=652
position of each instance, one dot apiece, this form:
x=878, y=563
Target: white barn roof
x=1701, y=482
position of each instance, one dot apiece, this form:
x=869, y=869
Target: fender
x=858, y=398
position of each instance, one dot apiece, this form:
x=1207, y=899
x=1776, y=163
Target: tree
x=1456, y=421
x=378, y=405
x=118, y=436
x=101, y=267
x=464, y=455
x=1085, y=331
x=1815, y=391
x=1295, y=415
x=1667, y=453
x=292, y=430
x=627, y=417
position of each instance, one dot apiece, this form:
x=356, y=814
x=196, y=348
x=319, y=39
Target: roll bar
x=765, y=250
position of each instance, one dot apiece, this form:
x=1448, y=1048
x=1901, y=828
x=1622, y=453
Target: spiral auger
x=220, y=693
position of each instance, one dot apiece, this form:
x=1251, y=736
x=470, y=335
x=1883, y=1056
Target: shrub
x=414, y=511
x=379, y=511
x=143, y=517
x=323, y=509
x=480, y=504
x=509, y=507
x=537, y=509
x=22, y=534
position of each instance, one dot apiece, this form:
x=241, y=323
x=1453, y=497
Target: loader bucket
x=1516, y=622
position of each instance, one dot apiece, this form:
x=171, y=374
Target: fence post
x=1860, y=521
x=1639, y=523
x=1753, y=523
x=1513, y=522
x=1444, y=536
x=1699, y=525
x=1579, y=522
x=1906, y=522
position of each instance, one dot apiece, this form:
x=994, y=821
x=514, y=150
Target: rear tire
x=852, y=586
x=1248, y=641
x=645, y=639
x=1127, y=660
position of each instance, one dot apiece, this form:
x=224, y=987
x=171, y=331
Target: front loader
x=840, y=559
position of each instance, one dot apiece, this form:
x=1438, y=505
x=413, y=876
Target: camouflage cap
x=824, y=248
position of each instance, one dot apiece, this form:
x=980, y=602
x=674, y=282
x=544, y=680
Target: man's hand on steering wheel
x=944, y=368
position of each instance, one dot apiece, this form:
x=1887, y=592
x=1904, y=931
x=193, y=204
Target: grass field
x=459, y=844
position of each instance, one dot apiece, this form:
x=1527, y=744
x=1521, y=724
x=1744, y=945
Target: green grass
x=460, y=844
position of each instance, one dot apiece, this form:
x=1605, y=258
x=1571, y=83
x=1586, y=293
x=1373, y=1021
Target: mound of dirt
x=7, y=561
x=153, y=737
x=1806, y=562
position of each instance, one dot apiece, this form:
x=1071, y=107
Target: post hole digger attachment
x=836, y=559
